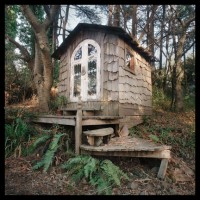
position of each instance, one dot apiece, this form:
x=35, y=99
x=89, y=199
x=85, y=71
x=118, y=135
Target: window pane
x=78, y=54
x=128, y=58
x=92, y=74
x=91, y=50
x=77, y=80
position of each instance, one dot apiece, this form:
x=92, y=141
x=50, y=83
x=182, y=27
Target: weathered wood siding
x=135, y=89
x=109, y=72
x=110, y=96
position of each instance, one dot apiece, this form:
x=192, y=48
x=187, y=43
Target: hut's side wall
x=109, y=77
x=135, y=89
x=64, y=70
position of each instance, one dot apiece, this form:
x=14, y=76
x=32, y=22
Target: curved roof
x=107, y=29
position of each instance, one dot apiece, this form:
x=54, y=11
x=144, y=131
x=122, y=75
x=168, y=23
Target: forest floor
x=20, y=179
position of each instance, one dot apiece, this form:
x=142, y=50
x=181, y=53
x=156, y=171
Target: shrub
x=17, y=135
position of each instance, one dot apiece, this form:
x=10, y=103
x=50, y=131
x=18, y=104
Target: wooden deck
x=132, y=147
x=118, y=146
x=71, y=120
x=127, y=146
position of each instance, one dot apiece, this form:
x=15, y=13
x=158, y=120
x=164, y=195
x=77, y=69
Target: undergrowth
x=18, y=134
x=182, y=139
x=53, y=145
x=101, y=174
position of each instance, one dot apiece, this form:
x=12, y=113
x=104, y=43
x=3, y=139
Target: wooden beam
x=144, y=154
x=55, y=120
x=163, y=168
x=78, y=128
x=88, y=122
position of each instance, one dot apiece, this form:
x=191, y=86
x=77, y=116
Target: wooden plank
x=88, y=122
x=144, y=154
x=99, y=132
x=102, y=117
x=78, y=128
x=163, y=168
x=85, y=109
x=55, y=120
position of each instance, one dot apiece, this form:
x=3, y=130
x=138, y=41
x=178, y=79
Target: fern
x=90, y=167
x=38, y=165
x=41, y=140
x=101, y=174
x=48, y=157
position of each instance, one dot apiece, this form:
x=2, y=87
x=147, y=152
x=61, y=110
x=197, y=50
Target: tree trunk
x=151, y=35
x=134, y=21
x=39, y=80
x=65, y=21
x=161, y=41
x=179, y=105
x=110, y=15
x=148, y=21
x=116, y=16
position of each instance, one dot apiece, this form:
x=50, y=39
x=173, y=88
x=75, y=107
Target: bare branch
x=148, y=21
x=32, y=19
x=23, y=50
x=49, y=19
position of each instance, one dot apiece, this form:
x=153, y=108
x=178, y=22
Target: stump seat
x=98, y=136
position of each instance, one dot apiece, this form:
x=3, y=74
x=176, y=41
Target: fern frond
x=49, y=155
x=38, y=165
x=41, y=140
x=90, y=167
x=72, y=162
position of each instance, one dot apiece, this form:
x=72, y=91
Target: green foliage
x=56, y=72
x=160, y=99
x=10, y=20
x=17, y=134
x=49, y=155
x=58, y=102
x=189, y=102
x=52, y=142
x=41, y=140
x=154, y=138
x=101, y=174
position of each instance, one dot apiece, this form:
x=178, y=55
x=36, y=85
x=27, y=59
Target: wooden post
x=78, y=127
x=163, y=168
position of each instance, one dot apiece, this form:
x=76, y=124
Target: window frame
x=132, y=71
x=84, y=71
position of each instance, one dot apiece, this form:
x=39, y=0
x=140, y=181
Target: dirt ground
x=179, y=180
x=21, y=180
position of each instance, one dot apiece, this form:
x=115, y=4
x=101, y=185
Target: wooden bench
x=99, y=136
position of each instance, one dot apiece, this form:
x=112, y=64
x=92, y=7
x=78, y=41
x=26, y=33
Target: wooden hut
x=109, y=70
x=111, y=74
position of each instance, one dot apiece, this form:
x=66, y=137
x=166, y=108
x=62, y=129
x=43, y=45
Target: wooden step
x=99, y=132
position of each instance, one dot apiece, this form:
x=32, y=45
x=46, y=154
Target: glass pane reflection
x=92, y=74
x=77, y=80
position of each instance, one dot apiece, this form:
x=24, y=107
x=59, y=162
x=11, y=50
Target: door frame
x=84, y=71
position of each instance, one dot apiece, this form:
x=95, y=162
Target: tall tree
x=116, y=19
x=184, y=16
x=43, y=65
x=110, y=15
x=134, y=21
x=40, y=64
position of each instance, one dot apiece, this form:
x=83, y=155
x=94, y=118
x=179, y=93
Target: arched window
x=85, y=71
